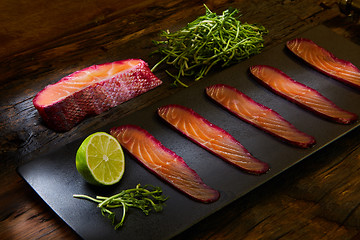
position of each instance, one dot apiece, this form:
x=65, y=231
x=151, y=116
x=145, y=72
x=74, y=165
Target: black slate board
x=55, y=179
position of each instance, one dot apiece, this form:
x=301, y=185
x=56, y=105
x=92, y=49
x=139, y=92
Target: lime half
x=100, y=159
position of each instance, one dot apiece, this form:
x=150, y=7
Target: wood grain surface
x=42, y=41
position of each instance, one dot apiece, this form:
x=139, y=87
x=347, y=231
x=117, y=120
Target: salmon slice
x=324, y=61
x=163, y=162
x=301, y=94
x=211, y=137
x=93, y=90
x=258, y=115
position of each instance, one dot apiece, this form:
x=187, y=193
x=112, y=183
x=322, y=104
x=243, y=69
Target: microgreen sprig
x=145, y=198
x=209, y=40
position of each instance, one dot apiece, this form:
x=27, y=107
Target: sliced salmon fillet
x=163, y=162
x=258, y=115
x=304, y=96
x=324, y=61
x=93, y=90
x=211, y=137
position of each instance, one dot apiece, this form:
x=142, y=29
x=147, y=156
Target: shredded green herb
x=209, y=40
x=145, y=198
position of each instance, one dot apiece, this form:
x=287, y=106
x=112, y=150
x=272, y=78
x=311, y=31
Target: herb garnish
x=145, y=198
x=209, y=40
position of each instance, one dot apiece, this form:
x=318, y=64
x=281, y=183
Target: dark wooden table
x=42, y=41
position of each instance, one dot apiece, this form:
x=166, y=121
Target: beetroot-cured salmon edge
x=216, y=195
x=353, y=119
x=266, y=166
x=345, y=62
x=309, y=144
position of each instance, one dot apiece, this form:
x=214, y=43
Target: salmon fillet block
x=93, y=90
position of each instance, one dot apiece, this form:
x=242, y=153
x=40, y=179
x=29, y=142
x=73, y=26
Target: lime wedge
x=100, y=159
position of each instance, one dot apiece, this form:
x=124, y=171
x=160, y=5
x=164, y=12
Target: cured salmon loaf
x=325, y=61
x=163, y=162
x=93, y=90
x=211, y=137
x=258, y=115
x=302, y=95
